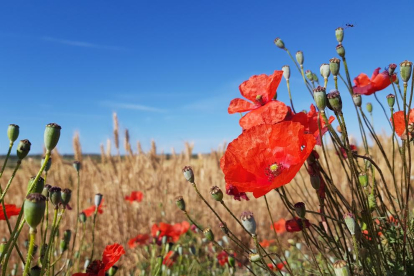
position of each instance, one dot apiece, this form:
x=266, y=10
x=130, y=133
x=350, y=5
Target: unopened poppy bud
x=45, y=191
x=315, y=181
x=363, y=179
x=396, y=80
x=66, y=195
x=350, y=223
x=188, y=174
x=315, y=77
x=216, y=193
x=319, y=95
x=340, y=50
x=254, y=257
x=55, y=195
x=372, y=202
x=112, y=271
x=309, y=75
x=279, y=43
x=299, y=57
x=180, y=203
x=231, y=260
x=339, y=33
x=334, y=100
x=223, y=227
x=77, y=165
x=391, y=100
x=325, y=71
x=286, y=72
x=34, y=209
x=369, y=107
x=334, y=66
x=208, y=234
x=98, y=200
x=2, y=247
x=82, y=217
x=48, y=164
x=341, y=268
x=357, y=99
x=248, y=222
x=391, y=68
x=35, y=270
x=38, y=187
x=405, y=70
x=300, y=209
x=52, y=135
x=23, y=149
x=13, y=132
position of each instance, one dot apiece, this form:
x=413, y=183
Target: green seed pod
x=279, y=43
x=334, y=100
x=300, y=209
x=372, y=202
x=188, y=174
x=286, y=72
x=45, y=191
x=52, y=135
x=208, y=234
x=363, y=179
x=315, y=77
x=82, y=217
x=63, y=246
x=391, y=100
x=299, y=57
x=23, y=148
x=49, y=163
x=34, y=209
x=98, y=200
x=340, y=50
x=405, y=70
x=341, y=268
x=55, y=195
x=112, y=271
x=254, y=257
x=231, y=260
x=66, y=194
x=309, y=75
x=2, y=247
x=38, y=187
x=77, y=165
x=339, y=33
x=180, y=203
x=334, y=66
x=357, y=99
x=13, y=132
x=350, y=223
x=315, y=181
x=319, y=95
x=35, y=271
x=216, y=193
x=369, y=107
x=325, y=71
x=248, y=222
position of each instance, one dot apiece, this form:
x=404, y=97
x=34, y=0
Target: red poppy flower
x=11, y=210
x=310, y=122
x=266, y=243
x=378, y=81
x=91, y=210
x=110, y=256
x=278, y=266
x=233, y=191
x=279, y=226
x=296, y=225
x=266, y=157
x=399, y=123
x=173, y=232
x=135, y=196
x=141, y=239
x=223, y=258
x=169, y=259
x=271, y=113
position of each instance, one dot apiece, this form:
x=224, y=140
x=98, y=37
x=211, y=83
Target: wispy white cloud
x=133, y=107
x=82, y=44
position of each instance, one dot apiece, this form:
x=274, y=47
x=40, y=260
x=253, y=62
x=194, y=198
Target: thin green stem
x=30, y=251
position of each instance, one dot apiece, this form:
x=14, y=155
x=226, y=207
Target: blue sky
x=170, y=68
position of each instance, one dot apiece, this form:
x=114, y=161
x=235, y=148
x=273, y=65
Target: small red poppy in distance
x=278, y=266
x=135, y=196
x=141, y=239
x=169, y=258
x=378, y=81
x=266, y=157
x=173, y=232
x=267, y=243
x=279, y=226
x=11, y=210
x=399, y=123
x=91, y=210
x=110, y=256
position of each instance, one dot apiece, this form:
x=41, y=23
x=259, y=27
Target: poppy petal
x=271, y=113
x=240, y=105
x=262, y=85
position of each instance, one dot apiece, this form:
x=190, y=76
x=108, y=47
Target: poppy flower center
x=259, y=100
x=273, y=170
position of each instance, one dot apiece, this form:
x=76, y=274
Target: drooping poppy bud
x=300, y=209
x=339, y=33
x=45, y=191
x=341, y=268
x=248, y=222
x=396, y=80
x=363, y=179
x=77, y=165
x=334, y=100
x=66, y=195
x=216, y=193
x=315, y=181
x=23, y=149
x=391, y=100
x=315, y=77
x=82, y=217
x=52, y=135
x=325, y=71
x=357, y=99
x=279, y=43
x=231, y=260
x=286, y=72
x=64, y=243
x=369, y=107
x=405, y=70
x=38, y=187
x=112, y=271
x=334, y=66
x=48, y=164
x=340, y=50
x=391, y=68
x=35, y=270
x=350, y=222
x=13, y=132
x=254, y=257
x=34, y=209
x=98, y=200
x=55, y=195
x=309, y=75
x=208, y=234
x=188, y=174
x=299, y=57
x=180, y=203
x=319, y=95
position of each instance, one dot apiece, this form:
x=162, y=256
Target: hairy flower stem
x=30, y=251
